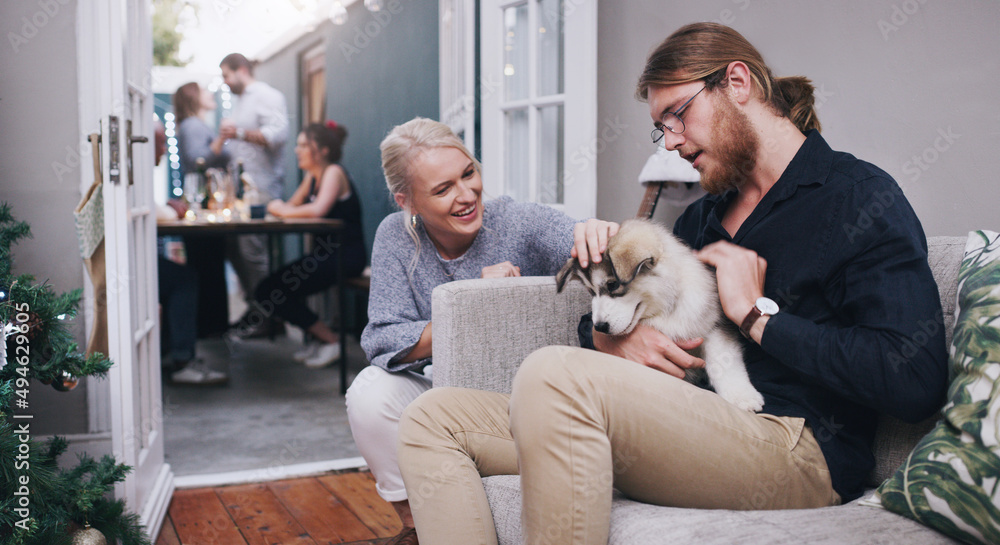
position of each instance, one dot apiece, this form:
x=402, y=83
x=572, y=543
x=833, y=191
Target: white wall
x=40, y=163
x=893, y=75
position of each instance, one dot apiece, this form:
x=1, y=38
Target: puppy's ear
x=649, y=262
x=634, y=247
x=566, y=273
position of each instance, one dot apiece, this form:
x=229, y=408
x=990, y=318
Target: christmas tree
x=41, y=504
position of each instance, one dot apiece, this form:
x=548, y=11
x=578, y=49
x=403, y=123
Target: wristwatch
x=763, y=307
x=241, y=133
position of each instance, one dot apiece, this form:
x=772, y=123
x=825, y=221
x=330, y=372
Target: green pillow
x=951, y=480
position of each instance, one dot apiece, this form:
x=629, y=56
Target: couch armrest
x=483, y=329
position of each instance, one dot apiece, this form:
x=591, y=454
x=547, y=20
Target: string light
x=338, y=14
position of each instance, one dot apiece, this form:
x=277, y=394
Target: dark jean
x=206, y=256
x=178, y=287
x=284, y=292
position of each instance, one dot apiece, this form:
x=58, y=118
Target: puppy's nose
x=603, y=327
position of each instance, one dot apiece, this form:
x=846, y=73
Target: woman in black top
x=325, y=192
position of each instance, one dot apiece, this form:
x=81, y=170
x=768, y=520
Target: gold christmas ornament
x=89, y=536
x=65, y=382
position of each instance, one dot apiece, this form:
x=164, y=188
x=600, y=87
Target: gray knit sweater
x=534, y=237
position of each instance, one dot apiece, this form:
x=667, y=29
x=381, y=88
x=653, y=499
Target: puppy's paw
x=746, y=399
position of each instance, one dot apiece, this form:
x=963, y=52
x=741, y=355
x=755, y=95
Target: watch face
x=767, y=306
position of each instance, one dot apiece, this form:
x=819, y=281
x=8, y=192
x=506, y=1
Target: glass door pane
x=518, y=182
x=516, y=52
x=550, y=47
x=550, y=155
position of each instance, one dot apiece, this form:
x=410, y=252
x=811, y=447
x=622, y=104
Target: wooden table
x=273, y=226
x=248, y=227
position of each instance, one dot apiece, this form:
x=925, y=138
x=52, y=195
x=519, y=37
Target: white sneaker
x=198, y=372
x=325, y=355
x=305, y=353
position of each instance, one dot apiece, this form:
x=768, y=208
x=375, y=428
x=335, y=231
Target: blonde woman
x=444, y=232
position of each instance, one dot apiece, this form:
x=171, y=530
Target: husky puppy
x=649, y=276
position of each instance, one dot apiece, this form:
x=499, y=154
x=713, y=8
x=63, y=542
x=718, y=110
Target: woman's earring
x=413, y=221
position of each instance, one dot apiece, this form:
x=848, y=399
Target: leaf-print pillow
x=951, y=480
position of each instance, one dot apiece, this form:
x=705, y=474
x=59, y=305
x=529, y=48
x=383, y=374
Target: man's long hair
x=703, y=51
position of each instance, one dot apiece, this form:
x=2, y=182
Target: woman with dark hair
x=326, y=191
x=195, y=138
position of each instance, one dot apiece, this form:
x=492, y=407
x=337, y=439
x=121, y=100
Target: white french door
x=539, y=102
x=115, y=57
x=457, y=68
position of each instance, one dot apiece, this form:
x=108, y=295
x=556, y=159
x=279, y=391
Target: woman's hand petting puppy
x=590, y=239
x=501, y=270
x=649, y=347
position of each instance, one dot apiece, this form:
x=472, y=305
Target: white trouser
x=375, y=401
x=249, y=257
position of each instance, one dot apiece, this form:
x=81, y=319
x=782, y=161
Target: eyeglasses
x=672, y=121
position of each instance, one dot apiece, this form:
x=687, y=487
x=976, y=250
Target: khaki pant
x=248, y=255
x=580, y=422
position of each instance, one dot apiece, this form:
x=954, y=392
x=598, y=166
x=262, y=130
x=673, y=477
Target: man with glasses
x=828, y=290
x=672, y=121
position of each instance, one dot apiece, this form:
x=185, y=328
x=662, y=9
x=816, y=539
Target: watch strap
x=750, y=320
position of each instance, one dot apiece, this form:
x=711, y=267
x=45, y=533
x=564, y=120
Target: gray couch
x=483, y=329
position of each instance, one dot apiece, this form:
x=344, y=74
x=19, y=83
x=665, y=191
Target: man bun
x=798, y=95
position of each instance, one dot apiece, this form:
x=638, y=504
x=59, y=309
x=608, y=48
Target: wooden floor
x=326, y=509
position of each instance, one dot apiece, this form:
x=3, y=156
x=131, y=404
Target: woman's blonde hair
x=703, y=51
x=400, y=150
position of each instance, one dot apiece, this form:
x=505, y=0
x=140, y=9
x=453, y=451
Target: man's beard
x=735, y=149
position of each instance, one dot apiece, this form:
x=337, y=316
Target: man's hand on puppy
x=501, y=270
x=590, y=239
x=651, y=348
x=740, y=274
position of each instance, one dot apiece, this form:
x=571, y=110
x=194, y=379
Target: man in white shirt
x=257, y=128
x=255, y=134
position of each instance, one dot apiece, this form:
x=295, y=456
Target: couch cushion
x=950, y=480
x=634, y=523
x=894, y=438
